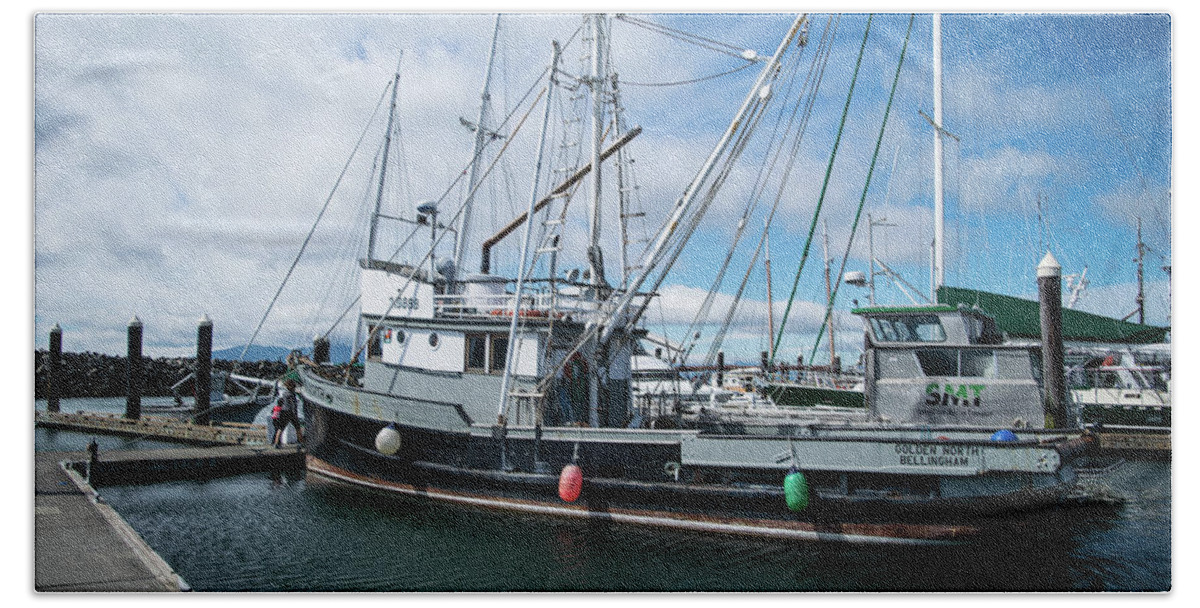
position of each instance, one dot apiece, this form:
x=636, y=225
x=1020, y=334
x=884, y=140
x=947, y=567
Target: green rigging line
x=862, y=199
x=821, y=198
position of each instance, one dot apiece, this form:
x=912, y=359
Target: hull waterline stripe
x=627, y=516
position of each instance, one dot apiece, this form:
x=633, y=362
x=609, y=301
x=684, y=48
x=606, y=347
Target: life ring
x=1109, y=361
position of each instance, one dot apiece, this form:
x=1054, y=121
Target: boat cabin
x=941, y=365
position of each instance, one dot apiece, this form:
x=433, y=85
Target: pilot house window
x=908, y=328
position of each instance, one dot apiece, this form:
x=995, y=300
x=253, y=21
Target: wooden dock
x=1159, y=443
x=156, y=427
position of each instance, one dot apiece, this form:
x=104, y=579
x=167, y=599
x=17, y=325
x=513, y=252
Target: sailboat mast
x=387, y=144
x=597, y=82
x=481, y=133
x=770, y=296
x=1141, y=295
x=828, y=288
x=939, y=210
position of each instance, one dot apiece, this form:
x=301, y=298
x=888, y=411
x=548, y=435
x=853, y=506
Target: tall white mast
x=597, y=82
x=481, y=133
x=387, y=144
x=939, y=211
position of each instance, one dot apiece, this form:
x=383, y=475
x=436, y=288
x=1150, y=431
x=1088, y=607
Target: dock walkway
x=82, y=544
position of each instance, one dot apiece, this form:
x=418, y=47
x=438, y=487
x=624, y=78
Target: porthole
x=400, y=336
x=433, y=340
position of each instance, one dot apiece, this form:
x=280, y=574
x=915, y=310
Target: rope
x=304, y=245
x=682, y=82
x=821, y=199
x=820, y=62
x=863, y=198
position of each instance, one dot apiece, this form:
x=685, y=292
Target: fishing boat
x=515, y=393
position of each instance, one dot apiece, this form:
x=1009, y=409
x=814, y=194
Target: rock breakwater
x=91, y=374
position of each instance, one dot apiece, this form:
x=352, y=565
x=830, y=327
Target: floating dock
x=82, y=545
x=156, y=427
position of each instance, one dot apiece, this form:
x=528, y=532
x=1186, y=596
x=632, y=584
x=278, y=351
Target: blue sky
x=180, y=160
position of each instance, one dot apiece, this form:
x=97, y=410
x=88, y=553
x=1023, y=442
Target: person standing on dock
x=289, y=412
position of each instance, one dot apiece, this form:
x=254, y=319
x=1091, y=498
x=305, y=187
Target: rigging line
x=682, y=35
x=863, y=198
x=820, y=61
x=683, y=82
x=416, y=267
x=821, y=199
x=325, y=207
x=765, y=170
x=344, y=252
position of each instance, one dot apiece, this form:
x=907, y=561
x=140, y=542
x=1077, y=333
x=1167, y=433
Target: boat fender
x=1004, y=435
x=795, y=491
x=570, y=483
x=387, y=442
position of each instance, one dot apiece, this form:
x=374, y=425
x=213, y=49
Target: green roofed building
x=1019, y=318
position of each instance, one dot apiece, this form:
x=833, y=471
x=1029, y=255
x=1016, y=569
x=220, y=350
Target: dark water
x=281, y=533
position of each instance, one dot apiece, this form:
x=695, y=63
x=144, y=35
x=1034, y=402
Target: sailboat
x=515, y=393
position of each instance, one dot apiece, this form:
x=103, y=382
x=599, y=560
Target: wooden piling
x=203, y=382
x=54, y=369
x=133, y=370
x=1049, y=278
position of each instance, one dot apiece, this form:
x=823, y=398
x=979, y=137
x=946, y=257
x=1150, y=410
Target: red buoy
x=570, y=483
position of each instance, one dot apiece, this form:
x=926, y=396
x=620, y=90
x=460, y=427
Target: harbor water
x=301, y=532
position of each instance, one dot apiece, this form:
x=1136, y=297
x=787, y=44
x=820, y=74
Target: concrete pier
x=81, y=544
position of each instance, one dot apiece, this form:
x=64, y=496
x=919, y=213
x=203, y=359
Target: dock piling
x=320, y=349
x=54, y=369
x=133, y=371
x=203, y=383
x=1049, y=279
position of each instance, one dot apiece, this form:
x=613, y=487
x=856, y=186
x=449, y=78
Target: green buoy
x=795, y=491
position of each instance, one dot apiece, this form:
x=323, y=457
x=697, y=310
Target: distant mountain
x=338, y=353
x=256, y=353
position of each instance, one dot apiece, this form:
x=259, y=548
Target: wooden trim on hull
x=862, y=533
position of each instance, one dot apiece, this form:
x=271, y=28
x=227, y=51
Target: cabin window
x=908, y=328
x=499, y=353
x=977, y=363
x=969, y=363
x=433, y=340
x=938, y=361
x=476, y=352
x=399, y=336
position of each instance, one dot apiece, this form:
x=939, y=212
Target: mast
x=770, y=297
x=596, y=82
x=481, y=133
x=828, y=288
x=939, y=210
x=510, y=356
x=1141, y=254
x=387, y=144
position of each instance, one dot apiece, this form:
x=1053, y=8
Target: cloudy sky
x=180, y=160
